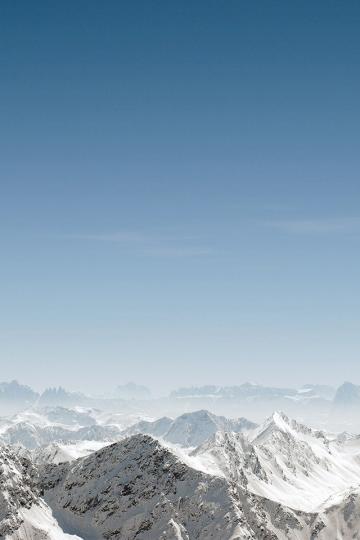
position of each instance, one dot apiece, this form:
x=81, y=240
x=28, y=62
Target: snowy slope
x=285, y=461
x=56, y=453
x=56, y=416
x=23, y=515
x=38, y=523
x=33, y=436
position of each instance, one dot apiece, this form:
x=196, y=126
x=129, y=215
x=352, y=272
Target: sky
x=179, y=193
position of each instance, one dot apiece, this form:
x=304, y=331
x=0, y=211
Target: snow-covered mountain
x=23, y=514
x=190, y=429
x=138, y=489
x=199, y=475
x=285, y=461
x=55, y=416
x=32, y=436
x=16, y=489
x=38, y=427
x=250, y=485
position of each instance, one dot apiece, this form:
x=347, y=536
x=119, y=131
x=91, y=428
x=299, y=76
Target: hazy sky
x=180, y=192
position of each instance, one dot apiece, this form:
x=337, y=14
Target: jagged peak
x=279, y=422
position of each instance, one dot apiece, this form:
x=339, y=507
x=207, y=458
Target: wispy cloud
x=316, y=226
x=177, y=251
x=120, y=237
x=150, y=246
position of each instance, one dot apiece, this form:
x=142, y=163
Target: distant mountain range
x=15, y=392
x=255, y=392
x=315, y=404
x=347, y=392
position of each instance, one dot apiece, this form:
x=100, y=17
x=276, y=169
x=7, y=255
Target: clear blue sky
x=180, y=192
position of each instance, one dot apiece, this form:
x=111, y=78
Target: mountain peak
x=347, y=394
x=280, y=423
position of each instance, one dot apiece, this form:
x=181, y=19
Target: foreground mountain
x=190, y=429
x=138, y=489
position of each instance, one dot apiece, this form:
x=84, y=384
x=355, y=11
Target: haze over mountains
x=318, y=405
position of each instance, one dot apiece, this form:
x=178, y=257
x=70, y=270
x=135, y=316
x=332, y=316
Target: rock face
x=23, y=514
x=17, y=489
x=230, y=455
x=342, y=514
x=138, y=489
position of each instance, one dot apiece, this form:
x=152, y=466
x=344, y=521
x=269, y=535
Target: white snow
x=39, y=524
